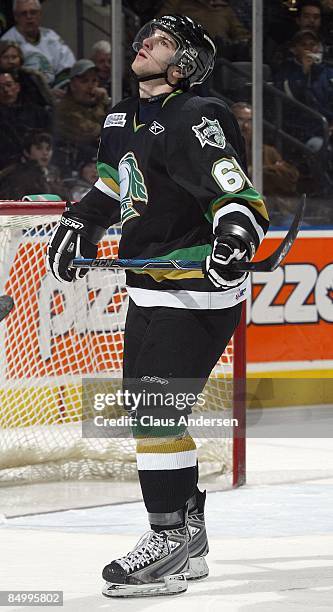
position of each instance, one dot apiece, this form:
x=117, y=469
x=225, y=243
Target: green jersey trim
x=106, y=171
x=137, y=126
x=109, y=176
x=195, y=253
x=172, y=95
x=251, y=197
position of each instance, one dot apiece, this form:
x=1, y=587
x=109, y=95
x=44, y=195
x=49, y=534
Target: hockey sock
x=167, y=473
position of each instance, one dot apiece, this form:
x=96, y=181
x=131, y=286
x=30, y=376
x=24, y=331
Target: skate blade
x=198, y=569
x=172, y=585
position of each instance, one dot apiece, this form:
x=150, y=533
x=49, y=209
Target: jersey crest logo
x=115, y=120
x=210, y=132
x=132, y=186
x=156, y=128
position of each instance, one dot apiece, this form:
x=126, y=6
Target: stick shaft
x=266, y=265
x=138, y=264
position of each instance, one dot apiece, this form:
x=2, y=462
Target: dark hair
x=304, y=3
x=11, y=73
x=36, y=137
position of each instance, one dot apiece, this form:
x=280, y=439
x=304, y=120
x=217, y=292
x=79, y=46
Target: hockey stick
x=266, y=265
x=6, y=304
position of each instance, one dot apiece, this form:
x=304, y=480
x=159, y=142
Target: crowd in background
x=52, y=105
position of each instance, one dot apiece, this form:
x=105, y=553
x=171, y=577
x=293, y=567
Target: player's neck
x=149, y=89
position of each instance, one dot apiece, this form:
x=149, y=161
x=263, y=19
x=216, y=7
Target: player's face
x=155, y=54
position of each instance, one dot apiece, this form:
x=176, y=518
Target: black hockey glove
x=225, y=250
x=72, y=237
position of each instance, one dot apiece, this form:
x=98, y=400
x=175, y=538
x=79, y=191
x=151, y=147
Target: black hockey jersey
x=177, y=179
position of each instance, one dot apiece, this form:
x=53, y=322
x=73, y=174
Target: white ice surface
x=271, y=542
x=249, y=512
x=246, y=574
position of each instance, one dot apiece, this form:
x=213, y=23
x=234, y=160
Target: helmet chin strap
x=158, y=75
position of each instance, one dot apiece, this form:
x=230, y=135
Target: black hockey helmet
x=195, y=53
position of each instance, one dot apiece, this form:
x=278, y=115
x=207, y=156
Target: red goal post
x=57, y=334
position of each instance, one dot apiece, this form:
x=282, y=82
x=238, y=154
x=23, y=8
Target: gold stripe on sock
x=165, y=445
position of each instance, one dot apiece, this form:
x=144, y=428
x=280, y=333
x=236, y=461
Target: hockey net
x=56, y=335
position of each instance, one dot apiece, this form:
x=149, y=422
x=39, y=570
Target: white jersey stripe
x=191, y=299
x=236, y=207
x=106, y=189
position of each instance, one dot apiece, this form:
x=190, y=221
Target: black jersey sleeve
x=101, y=205
x=205, y=156
x=98, y=208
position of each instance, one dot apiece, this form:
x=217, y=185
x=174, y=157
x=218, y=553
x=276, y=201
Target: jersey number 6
x=229, y=175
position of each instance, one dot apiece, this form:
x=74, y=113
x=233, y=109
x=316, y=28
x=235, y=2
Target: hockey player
x=175, y=162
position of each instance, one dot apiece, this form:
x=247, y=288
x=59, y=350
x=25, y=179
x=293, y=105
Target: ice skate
x=198, y=544
x=156, y=566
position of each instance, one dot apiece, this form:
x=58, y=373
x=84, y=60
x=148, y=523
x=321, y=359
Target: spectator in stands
x=145, y=10
x=79, y=115
x=215, y=15
x=305, y=76
x=279, y=176
x=327, y=27
x=34, y=87
x=33, y=174
x=87, y=177
x=244, y=11
x=279, y=27
x=16, y=119
x=42, y=48
x=309, y=15
x=101, y=56
x=6, y=15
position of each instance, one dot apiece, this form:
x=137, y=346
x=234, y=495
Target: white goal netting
x=56, y=335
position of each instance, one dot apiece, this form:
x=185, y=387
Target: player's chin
x=140, y=63
x=135, y=66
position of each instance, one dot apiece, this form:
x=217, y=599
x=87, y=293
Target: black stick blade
x=6, y=304
x=273, y=261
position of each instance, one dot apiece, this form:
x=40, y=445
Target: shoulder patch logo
x=210, y=132
x=115, y=120
x=156, y=128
